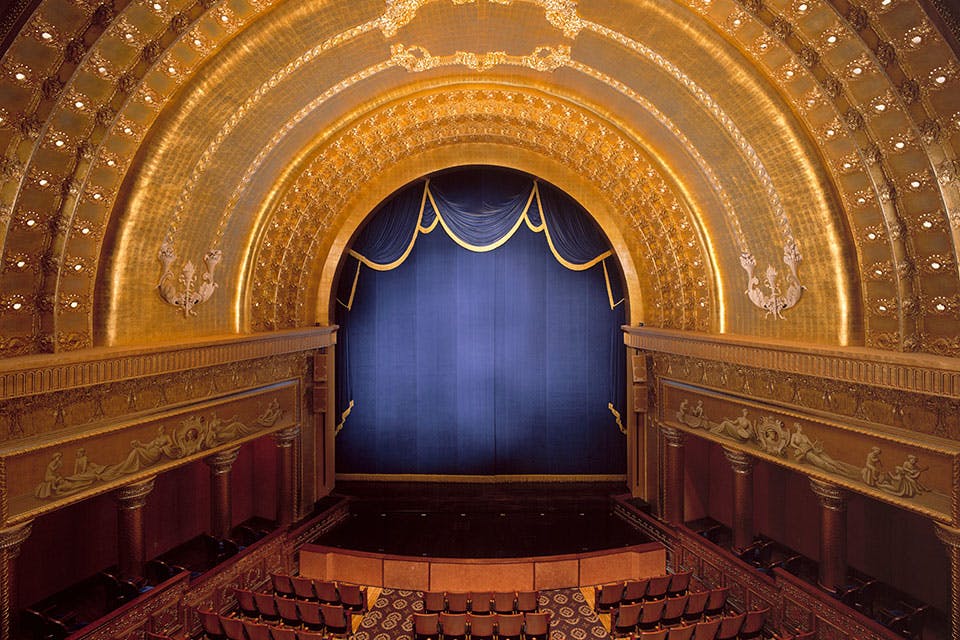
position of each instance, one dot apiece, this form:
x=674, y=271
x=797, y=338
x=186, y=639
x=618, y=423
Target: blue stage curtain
x=467, y=362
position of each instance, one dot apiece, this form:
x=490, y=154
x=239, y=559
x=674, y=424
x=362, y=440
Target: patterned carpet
x=390, y=616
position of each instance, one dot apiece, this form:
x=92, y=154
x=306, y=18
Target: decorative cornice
x=919, y=373
x=12, y=537
x=286, y=437
x=830, y=495
x=740, y=461
x=673, y=437
x=222, y=461
x=33, y=375
x=949, y=536
x=134, y=495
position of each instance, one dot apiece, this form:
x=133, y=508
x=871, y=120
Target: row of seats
x=609, y=596
x=481, y=601
x=317, y=616
x=669, y=611
x=743, y=626
x=349, y=595
x=217, y=627
x=502, y=625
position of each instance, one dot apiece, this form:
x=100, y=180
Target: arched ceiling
x=697, y=132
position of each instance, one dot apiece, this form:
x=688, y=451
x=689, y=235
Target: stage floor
x=481, y=521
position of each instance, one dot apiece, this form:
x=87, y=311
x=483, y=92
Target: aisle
x=390, y=616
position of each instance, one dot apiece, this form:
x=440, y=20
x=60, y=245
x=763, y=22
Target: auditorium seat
x=696, y=603
x=753, y=624
x=536, y=625
x=210, y=623
x=624, y=620
x=504, y=601
x=310, y=615
x=309, y=635
x=336, y=620
x=682, y=633
x=657, y=587
x=246, y=603
x=634, y=591
x=426, y=626
x=267, y=606
x=607, y=596
x=352, y=596
x=283, y=633
x=650, y=614
x=716, y=601
x=509, y=625
x=679, y=583
x=289, y=614
x=673, y=611
x=656, y=634
x=706, y=630
x=257, y=631
x=457, y=602
x=326, y=591
x=303, y=587
x=233, y=628
x=480, y=601
x=481, y=625
x=528, y=601
x=730, y=626
x=434, y=602
x=282, y=585
x=454, y=625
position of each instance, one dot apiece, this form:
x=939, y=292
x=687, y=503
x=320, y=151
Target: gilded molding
x=830, y=495
x=134, y=495
x=673, y=437
x=12, y=537
x=740, y=461
x=905, y=372
x=221, y=462
x=286, y=438
x=948, y=535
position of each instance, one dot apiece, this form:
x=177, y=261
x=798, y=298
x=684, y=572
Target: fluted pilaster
x=950, y=536
x=673, y=450
x=131, y=549
x=285, y=441
x=833, y=534
x=742, y=465
x=10, y=540
x=221, y=500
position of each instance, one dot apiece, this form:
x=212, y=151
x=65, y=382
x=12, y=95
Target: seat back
x=453, y=624
x=634, y=591
x=233, y=628
x=679, y=582
x=660, y=634
x=682, y=633
x=696, y=602
x=536, y=624
x=335, y=618
x=266, y=605
x=504, y=601
x=256, y=631
x=246, y=602
x=608, y=595
x=426, y=624
x=706, y=630
x=282, y=584
x=352, y=596
x=307, y=635
x=528, y=601
x=509, y=625
x=210, y=622
x=481, y=626
x=326, y=591
x=753, y=624
x=730, y=626
x=310, y=614
x=457, y=602
x=287, y=607
x=303, y=587
x=673, y=609
x=657, y=587
x=480, y=601
x=650, y=614
x=434, y=602
x=283, y=633
x=716, y=601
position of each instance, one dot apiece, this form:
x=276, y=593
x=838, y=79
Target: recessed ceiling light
x=935, y=265
x=916, y=39
x=940, y=79
x=831, y=39
x=899, y=144
x=46, y=35
x=16, y=306
x=941, y=307
x=21, y=264
x=19, y=75
x=927, y=224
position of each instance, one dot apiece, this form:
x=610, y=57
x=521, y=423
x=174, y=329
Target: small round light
x=831, y=39
x=111, y=163
x=940, y=79
x=857, y=70
x=935, y=266
x=882, y=307
x=31, y=222
x=147, y=99
x=171, y=69
x=872, y=236
x=74, y=304
x=861, y=200
x=885, y=3
x=21, y=264
x=789, y=73
x=927, y=224
x=156, y=6
x=878, y=272
x=46, y=35
x=880, y=107
x=127, y=130
x=916, y=39
x=802, y=7
x=17, y=306
x=102, y=69
x=737, y=22
x=763, y=46
x=85, y=231
x=830, y=133
x=915, y=184
x=847, y=165
x=941, y=307
x=78, y=104
x=43, y=182
x=19, y=75
x=58, y=143
x=224, y=18
x=78, y=267
x=899, y=144
x=97, y=196
x=196, y=42
x=128, y=36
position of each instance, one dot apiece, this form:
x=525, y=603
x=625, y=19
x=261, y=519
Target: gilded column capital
x=221, y=462
x=741, y=462
x=948, y=535
x=286, y=437
x=673, y=437
x=134, y=495
x=830, y=495
x=12, y=537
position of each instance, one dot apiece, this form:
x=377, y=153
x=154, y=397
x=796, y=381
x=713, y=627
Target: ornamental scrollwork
x=189, y=294
x=774, y=300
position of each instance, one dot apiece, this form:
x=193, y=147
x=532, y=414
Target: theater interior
x=410, y=319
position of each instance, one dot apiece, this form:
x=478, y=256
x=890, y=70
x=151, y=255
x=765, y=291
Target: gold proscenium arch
x=833, y=125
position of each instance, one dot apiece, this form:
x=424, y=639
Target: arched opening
x=479, y=313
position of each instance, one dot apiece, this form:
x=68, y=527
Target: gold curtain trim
x=353, y=289
x=606, y=278
x=413, y=239
x=343, y=418
x=616, y=416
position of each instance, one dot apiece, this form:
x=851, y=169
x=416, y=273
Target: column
x=221, y=501
x=10, y=540
x=672, y=474
x=742, y=465
x=131, y=550
x=833, y=534
x=950, y=536
x=285, y=440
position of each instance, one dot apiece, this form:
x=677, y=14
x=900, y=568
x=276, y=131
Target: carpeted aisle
x=390, y=617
